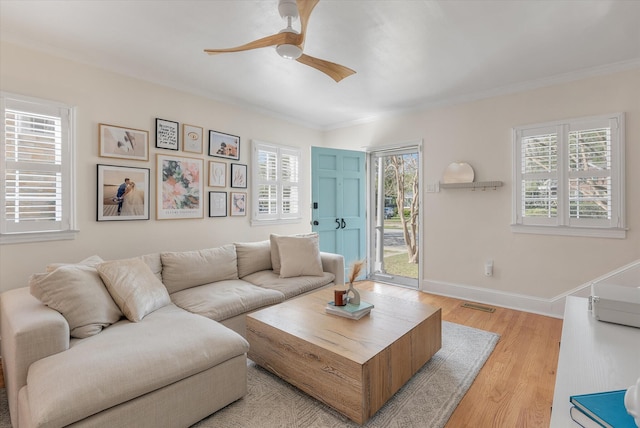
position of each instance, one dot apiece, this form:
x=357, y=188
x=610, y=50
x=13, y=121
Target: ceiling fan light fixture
x=289, y=51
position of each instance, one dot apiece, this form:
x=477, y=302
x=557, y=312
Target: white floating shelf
x=484, y=185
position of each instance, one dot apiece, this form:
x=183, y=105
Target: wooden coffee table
x=353, y=366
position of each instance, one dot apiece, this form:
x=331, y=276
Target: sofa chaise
x=155, y=340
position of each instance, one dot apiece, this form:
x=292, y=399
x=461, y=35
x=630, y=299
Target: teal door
x=338, y=210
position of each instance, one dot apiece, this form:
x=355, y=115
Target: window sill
x=21, y=238
x=615, y=233
x=255, y=222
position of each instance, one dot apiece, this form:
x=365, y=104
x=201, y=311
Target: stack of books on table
x=355, y=312
x=601, y=409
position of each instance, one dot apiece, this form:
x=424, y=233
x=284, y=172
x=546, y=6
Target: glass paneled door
x=395, y=224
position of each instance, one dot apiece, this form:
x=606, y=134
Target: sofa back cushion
x=253, y=257
x=186, y=269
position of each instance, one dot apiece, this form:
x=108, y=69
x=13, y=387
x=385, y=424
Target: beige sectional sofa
x=150, y=341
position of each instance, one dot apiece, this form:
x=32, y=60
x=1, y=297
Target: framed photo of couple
x=123, y=193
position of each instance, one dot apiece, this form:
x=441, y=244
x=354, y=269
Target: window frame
x=279, y=217
x=563, y=223
x=66, y=228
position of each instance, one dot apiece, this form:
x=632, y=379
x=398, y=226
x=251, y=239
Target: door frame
x=372, y=152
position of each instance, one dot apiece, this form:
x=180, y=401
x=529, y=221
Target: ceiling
x=407, y=54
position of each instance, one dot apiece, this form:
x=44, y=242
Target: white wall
x=103, y=97
x=463, y=228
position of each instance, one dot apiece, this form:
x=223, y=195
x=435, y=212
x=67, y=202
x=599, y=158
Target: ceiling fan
x=289, y=43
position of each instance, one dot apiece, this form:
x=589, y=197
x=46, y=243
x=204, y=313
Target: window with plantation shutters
x=36, y=170
x=569, y=177
x=276, y=183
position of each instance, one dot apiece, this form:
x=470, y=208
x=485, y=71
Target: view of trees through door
x=396, y=203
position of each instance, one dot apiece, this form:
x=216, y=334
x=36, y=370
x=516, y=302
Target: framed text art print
x=166, y=134
x=123, y=193
x=224, y=145
x=192, y=139
x=239, y=175
x=179, y=187
x=238, y=203
x=217, y=174
x=217, y=204
x=123, y=143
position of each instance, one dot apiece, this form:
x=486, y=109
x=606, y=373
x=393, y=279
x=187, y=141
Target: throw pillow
x=253, y=257
x=92, y=261
x=134, y=288
x=78, y=293
x=275, y=252
x=299, y=256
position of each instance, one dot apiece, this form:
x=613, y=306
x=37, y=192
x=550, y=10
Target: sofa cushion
x=133, y=286
x=253, y=257
x=154, y=262
x=125, y=361
x=299, y=256
x=186, y=269
x=225, y=299
x=290, y=287
x=78, y=293
x=275, y=251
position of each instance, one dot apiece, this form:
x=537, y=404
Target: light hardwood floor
x=515, y=386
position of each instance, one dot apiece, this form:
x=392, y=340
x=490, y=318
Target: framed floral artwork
x=166, y=134
x=123, y=193
x=179, y=187
x=239, y=175
x=238, y=201
x=224, y=145
x=217, y=174
x=123, y=143
x=192, y=139
x=217, y=204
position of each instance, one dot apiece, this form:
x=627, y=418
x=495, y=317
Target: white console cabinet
x=594, y=356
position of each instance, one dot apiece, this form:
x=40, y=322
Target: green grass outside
x=397, y=264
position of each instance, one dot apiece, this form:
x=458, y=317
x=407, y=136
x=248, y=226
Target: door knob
x=315, y=222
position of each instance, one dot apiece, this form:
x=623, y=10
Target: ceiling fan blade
x=336, y=71
x=273, y=40
x=305, y=7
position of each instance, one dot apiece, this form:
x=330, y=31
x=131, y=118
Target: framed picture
x=217, y=204
x=179, y=187
x=238, y=175
x=192, y=139
x=224, y=145
x=124, y=143
x=123, y=193
x=238, y=202
x=166, y=134
x=217, y=174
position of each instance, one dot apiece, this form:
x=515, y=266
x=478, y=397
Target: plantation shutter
x=571, y=175
x=36, y=169
x=276, y=182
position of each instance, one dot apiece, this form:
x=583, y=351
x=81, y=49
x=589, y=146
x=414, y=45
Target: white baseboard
x=553, y=307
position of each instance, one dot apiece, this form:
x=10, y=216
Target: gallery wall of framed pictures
x=182, y=173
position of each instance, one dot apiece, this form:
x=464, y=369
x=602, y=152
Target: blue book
x=606, y=408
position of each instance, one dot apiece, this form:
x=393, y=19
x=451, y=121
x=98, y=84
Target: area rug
x=427, y=400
